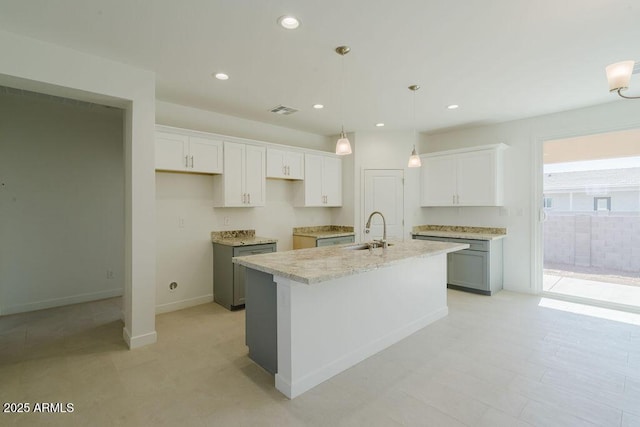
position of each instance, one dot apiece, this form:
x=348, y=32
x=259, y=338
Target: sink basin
x=362, y=247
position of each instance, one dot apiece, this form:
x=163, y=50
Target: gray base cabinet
x=477, y=269
x=228, y=278
x=261, y=324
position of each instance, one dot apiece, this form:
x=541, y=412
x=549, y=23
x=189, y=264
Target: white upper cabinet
x=244, y=182
x=285, y=164
x=469, y=177
x=322, y=184
x=188, y=153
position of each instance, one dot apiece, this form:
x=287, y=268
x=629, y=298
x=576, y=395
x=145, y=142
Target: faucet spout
x=384, y=227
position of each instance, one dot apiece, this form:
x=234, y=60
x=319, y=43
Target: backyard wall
x=597, y=240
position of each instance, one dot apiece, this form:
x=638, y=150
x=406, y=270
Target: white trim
x=499, y=146
x=140, y=340
x=537, y=188
x=57, y=302
x=185, y=303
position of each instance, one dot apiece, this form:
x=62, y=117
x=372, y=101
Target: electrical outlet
x=173, y=286
x=109, y=274
x=180, y=222
x=227, y=220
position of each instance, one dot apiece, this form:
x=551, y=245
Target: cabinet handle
x=191, y=162
x=288, y=170
x=284, y=170
x=186, y=161
x=249, y=198
x=244, y=197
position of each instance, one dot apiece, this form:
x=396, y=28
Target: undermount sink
x=364, y=246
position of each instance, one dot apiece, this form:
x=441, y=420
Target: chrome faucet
x=384, y=228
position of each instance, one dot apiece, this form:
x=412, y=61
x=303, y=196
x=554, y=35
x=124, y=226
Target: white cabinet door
x=476, y=179
x=276, y=163
x=171, y=151
x=313, y=195
x=254, y=173
x=233, y=177
x=285, y=164
x=438, y=175
x=295, y=165
x=322, y=184
x=205, y=155
x=332, y=181
x=243, y=181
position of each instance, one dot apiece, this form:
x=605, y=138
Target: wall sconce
x=619, y=75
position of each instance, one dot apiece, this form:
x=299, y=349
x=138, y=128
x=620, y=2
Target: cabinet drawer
x=330, y=241
x=474, y=245
x=254, y=249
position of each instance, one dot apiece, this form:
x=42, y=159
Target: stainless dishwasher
x=477, y=269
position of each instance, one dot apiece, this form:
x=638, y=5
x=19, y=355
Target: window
x=547, y=202
x=602, y=203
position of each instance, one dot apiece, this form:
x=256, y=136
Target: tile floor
x=507, y=360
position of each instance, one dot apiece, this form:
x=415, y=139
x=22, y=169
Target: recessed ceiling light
x=318, y=106
x=221, y=76
x=379, y=125
x=288, y=22
x=452, y=106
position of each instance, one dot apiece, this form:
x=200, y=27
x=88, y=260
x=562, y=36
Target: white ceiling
x=498, y=59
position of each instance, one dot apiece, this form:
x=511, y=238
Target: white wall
x=184, y=253
x=44, y=67
x=523, y=179
x=61, y=203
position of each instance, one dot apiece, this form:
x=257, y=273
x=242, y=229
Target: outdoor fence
x=608, y=241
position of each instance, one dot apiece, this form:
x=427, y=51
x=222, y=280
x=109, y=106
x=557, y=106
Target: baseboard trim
x=185, y=303
x=140, y=340
x=57, y=302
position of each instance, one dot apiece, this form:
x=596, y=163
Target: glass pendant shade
x=414, y=160
x=343, y=147
x=619, y=75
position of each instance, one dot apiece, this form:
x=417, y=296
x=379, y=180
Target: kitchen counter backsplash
x=239, y=238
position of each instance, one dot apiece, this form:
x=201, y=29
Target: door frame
x=537, y=192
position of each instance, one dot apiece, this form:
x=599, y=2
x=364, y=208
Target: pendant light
x=343, y=147
x=414, y=160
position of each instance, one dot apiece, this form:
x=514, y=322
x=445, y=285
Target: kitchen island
x=312, y=313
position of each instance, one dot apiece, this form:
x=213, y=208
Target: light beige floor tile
x=547, y=415
x=496, y=418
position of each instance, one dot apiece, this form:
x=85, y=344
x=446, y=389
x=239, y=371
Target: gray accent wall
x=61, y=201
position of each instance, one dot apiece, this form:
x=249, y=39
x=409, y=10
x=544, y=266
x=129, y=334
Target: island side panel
x=327, y=327
x=261, y=319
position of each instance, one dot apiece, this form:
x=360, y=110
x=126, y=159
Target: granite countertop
x=239, y=238
x=315, y=265
x=460, y=232
x=324, y=231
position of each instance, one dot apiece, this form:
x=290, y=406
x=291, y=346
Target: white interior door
x=384, y=192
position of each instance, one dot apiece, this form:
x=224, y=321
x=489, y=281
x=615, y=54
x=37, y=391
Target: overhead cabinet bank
x=465, y=177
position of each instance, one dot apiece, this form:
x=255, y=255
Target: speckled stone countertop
x=324, y=231
x=460, y=232
x=239, y=238
x=317, y=265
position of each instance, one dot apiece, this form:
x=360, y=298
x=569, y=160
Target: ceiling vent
x=281, y=109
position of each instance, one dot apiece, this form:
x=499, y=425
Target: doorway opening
x=591, y=227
